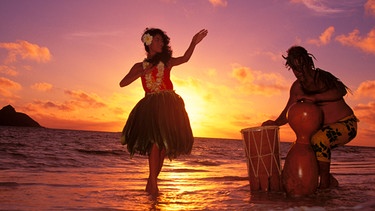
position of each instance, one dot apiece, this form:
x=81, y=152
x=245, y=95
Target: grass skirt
x=159, y=118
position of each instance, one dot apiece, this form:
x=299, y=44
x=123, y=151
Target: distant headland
x=9, y=117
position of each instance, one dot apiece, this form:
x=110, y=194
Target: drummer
x=326, y=91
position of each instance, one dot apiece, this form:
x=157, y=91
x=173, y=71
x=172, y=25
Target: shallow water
x=47, y=169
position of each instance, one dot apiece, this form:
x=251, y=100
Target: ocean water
x=50, y=169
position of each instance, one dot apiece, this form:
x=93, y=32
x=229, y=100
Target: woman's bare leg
x=155, y=160
x=161, y=163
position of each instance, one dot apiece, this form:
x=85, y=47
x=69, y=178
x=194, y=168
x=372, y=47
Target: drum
x=262, y=149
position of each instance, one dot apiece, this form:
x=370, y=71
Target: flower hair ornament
x=147, y=39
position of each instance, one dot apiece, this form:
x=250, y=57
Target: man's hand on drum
x=269, y=123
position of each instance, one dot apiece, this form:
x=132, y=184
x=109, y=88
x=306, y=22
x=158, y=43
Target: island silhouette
x=9, y=117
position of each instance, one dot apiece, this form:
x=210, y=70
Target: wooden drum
x=262, y=148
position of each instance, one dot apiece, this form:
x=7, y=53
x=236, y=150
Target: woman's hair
x=166, y=53
x=300, y=60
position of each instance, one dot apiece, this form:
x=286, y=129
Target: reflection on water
x=191, y=186
x=83, y=170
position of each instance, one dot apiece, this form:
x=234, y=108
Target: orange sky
x=61, y=62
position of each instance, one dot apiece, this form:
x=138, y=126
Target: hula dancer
x=158, y=125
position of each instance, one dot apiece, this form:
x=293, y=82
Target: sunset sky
x=61, y=61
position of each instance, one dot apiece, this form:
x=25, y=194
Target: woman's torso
x=157, y=80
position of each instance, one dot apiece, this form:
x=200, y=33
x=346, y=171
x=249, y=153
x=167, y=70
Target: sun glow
x=195, y=106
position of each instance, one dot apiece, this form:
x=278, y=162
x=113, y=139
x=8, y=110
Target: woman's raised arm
x=196, y=39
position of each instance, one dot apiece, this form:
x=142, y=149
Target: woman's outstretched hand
x=199, y=36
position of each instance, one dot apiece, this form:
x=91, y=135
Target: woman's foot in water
x=152, y=189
